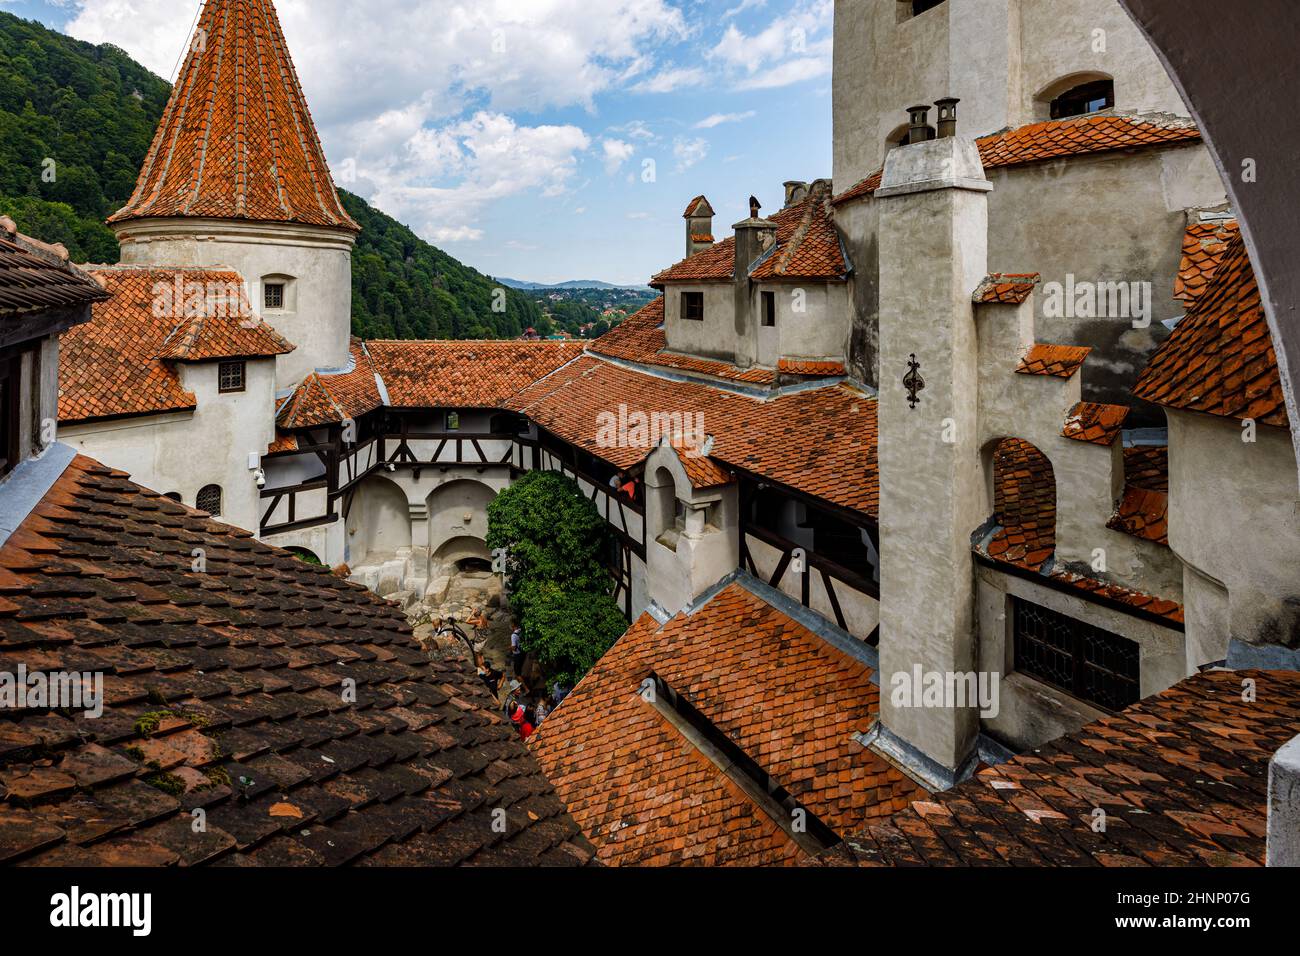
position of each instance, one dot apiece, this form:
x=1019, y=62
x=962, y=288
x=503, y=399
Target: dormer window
x=1084, y=99
x=273, y=295
x=231, y=377
x=693, y=306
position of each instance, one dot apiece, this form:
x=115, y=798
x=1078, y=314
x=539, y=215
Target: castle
x=995, y=404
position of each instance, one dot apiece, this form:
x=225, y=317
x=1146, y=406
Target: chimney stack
x=699, y=226
x=754, y=237
x=795, y=193
x=919, y=131
x=947, y=108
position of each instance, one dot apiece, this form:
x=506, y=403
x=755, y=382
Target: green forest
x=75, y=123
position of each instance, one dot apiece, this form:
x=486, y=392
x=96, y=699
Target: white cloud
x=688, y=152
x=617, y=152
x=742, y=7
x=670, y=80
x=717, y=119
x=792, y=48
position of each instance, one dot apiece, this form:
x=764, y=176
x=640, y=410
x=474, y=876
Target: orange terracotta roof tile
x=821, y=441
x=807, y=247
x=1182, y=778
x=1171, y=611
x=237, y=140
x=1143, y=514
x=1054, y=139
x=699, y=206
x=1094, y=423
x=815, y=369
x=1203, y=247
x=35, y=277
x=1147, y=466
x=324, y=399
x=646, y=796
x=704, y=472
x=1006, y=288
x=640, y=338
x=121, y=361
x=284, y=442
x=1059, y=361
x=1219, y=359
x=222, y=691
x=465, y=374
x=1024, y=505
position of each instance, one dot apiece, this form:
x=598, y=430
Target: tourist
x=543, y=711
x=517, y=651
x=558, y=693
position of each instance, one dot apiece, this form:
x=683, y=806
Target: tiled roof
x=1144, y=510
x=226, y=691
x=640, y=338
x=1055, y=139
x=1024, y=505
x=35, y=277
x=1181, y=777
x=807, y=247
x=120, y=362
x=820, y=441
x=1060, y=361
x=464, y=374
x=1024, y=528
x=327, y=399
x=1096, y=424
x=1219, y=359
x=699, y=206
x=646, y=795
x=1203, y=247
x=1006, y=288
x=284, y=442
x=815, y=369
x=237, y=140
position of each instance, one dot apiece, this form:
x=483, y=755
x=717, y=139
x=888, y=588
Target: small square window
x=769, y=310
x=273, y=295
x=453, y=421
x=230, y=377
x=693, y=306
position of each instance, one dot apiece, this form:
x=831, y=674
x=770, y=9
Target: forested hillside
x=75, y=123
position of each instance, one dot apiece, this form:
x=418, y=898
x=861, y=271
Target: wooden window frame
x=693, y=302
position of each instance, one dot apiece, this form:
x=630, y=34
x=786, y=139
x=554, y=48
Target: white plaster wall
x=715, y=337
x=1234, y=518
x=997, y=56
x=320, y=260
x=861, y=611
x=184, y=452
x=448, y=507
x=1033, y=712
x=379, y=523
x=812, y=320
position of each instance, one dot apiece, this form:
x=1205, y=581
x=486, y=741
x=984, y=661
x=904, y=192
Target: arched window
x=209, y=500
x=173, y=496
x=1077, y=95
x=278, y=294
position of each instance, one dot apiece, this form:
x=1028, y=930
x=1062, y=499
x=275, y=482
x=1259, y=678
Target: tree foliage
x=554, y=540
x=92, y=110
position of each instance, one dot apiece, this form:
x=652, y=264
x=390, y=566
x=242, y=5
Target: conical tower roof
x=237, y=140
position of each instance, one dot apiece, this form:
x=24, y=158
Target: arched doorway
x=379, y=523
x=457, y=514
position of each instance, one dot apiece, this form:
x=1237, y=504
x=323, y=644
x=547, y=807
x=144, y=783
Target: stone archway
x=379, y=523
x=457, y=510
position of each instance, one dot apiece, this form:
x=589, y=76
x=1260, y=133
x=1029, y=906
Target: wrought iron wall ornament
x=913, y=382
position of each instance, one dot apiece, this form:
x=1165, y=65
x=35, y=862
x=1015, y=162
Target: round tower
x=236, y=177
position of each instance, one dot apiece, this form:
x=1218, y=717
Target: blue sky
x=540, y=139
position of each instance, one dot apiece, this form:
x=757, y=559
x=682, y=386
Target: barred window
x=209, y=500
x=230, y=377
x=1085, y=661
x=273, y=295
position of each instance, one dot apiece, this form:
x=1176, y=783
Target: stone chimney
x=699, y=226
x=754, y=237
x=933, y=239
x=795, y=193
x=1284, y=806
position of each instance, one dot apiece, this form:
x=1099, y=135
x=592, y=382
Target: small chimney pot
x=919, y=130
x=947, y=125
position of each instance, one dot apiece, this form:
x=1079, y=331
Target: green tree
x=554, y=540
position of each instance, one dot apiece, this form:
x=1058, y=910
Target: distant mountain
x=571, y=284
x=93, y=110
